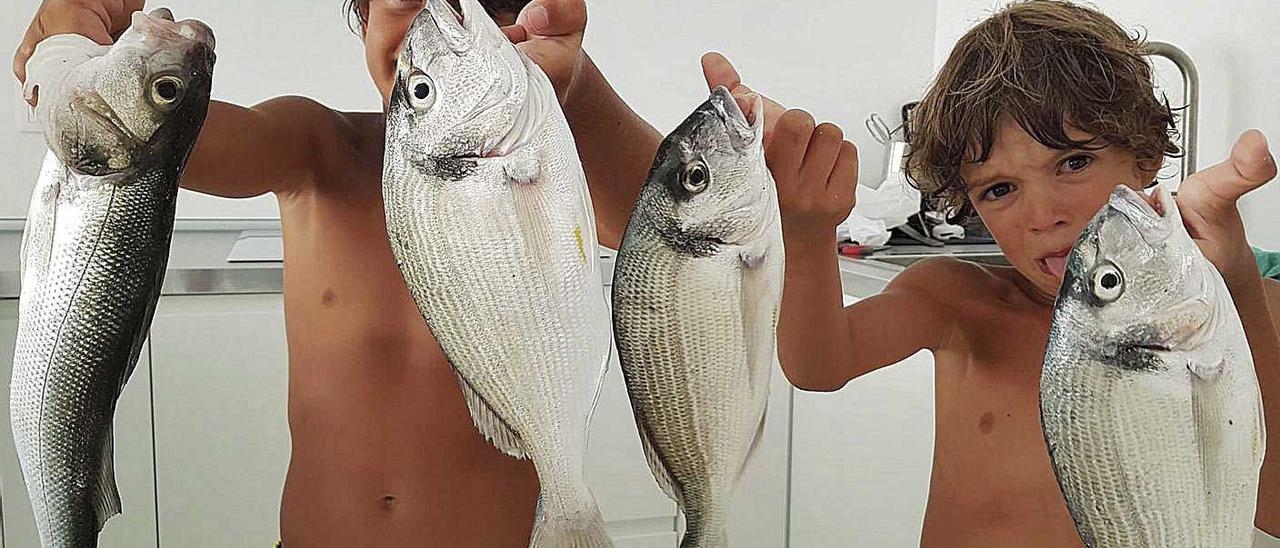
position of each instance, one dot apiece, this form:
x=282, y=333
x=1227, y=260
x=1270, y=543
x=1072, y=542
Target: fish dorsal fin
x=106, y=500
x=494, y=429
x=660, y=473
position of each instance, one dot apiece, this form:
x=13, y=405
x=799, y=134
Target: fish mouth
x=95, y=108
x=159, y=25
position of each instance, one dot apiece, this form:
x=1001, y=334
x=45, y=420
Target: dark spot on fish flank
x=1230, y=422
x=388, y=502
x=986, y=423
x=327, y=298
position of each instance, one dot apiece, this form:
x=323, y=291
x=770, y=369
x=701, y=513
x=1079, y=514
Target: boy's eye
x=1077, y=163
x=997, y=191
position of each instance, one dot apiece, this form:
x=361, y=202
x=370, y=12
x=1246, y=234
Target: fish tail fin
x=106, y=499
x=582, y=529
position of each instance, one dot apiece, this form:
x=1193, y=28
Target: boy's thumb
x=553, y=17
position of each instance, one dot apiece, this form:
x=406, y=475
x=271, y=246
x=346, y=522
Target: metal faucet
x=1190, y=98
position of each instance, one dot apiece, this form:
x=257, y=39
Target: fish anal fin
x=494, y=429
x=106, y=499
x=659, y=469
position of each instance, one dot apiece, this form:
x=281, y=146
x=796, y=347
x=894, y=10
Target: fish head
x=710, y=178
x=141, y=102
x=1141, y=283
x=460, y=88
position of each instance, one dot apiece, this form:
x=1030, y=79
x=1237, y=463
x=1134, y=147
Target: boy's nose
x=1046, y=215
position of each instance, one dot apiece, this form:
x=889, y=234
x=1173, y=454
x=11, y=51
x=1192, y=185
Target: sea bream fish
x=490, y=221
x=1149, y=399
x=121, y=122
x=696, y=291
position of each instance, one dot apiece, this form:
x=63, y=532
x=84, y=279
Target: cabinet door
x=134, y=464
x=222, y=441
x=861, y=459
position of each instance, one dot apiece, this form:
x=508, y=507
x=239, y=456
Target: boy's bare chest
x=992, y=474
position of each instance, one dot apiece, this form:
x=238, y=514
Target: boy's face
x=388, y=22
x=1036, y=200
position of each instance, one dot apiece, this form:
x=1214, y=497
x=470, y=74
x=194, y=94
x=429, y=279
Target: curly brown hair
x=1047, y=65
x=358, y=10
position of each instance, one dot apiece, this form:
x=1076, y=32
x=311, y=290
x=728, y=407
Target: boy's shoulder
x=962, y=285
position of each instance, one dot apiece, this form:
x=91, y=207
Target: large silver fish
x=120, y=125
x=1149, y=399
x=490, y=221
x=696, y=291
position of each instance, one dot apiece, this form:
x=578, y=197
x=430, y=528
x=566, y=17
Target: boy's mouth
x=1054, y=264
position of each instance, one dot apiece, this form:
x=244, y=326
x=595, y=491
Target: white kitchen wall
x=840, y=60
x=1234, y=47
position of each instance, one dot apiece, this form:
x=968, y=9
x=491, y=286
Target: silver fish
x=1148, y=397
x=120, y=126
x=696, y=291
x=491, y=224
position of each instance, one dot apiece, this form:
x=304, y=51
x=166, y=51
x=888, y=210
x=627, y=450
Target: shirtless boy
x=384, y=452
x=1037, y=115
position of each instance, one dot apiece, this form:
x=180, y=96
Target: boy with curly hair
x=1038, y=113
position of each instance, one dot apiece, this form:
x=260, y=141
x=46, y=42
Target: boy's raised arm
x=821, y=344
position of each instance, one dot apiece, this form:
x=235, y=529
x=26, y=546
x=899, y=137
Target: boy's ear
x=1146, y=172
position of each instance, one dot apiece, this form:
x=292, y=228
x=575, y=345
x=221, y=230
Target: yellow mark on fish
x=582, y=249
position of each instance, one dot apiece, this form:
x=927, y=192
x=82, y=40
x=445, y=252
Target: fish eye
x=695, y=177
x=1107, y=282
x=422, y=91
x=166, y=91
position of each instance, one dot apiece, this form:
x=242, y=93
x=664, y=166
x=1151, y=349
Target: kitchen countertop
x=198, y=260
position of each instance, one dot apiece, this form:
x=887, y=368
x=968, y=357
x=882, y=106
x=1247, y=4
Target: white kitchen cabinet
x=134, y=462
x=861, y=459
x=222, y=439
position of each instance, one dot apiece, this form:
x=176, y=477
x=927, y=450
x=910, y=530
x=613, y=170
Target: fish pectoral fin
x=106, y=501
x=494, y=429
x=522, y=167
x=659, y=469
x=1207, y=370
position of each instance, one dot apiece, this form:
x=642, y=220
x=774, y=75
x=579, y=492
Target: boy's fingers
x=1249, y=167
x=515, y=33
x=844, y=176
x=785, y=152
x=820, y=156
x=718, y=71
x=553, y=17
x=1252, y=159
